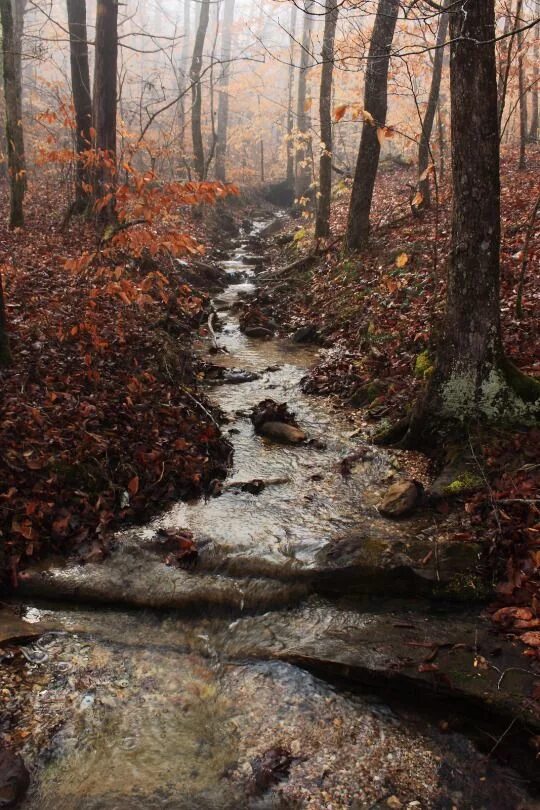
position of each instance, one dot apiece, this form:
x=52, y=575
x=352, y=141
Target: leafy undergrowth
x=379, y=313
x=100, y=418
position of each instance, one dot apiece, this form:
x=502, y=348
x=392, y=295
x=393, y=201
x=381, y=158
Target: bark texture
x=199, y=163
x=12, y=46
x=82, y=98
x=105, y=91
x=424, y=154
x=223, y=99
x=472, y=379
x=322, y=223
x=303, y=118
x=375, y=103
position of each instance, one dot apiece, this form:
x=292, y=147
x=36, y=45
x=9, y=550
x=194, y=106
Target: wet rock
x=271, y=767
x=307, y=334
x=282, y=432
x=14, y=779
x=237, y=376
x=366, y=394
x=401, y=499
x=255, y=261
x=387, y=646
x=138, y=578
x=258, y=332
x=358, y=564
x=459, y=477
x=14, y=630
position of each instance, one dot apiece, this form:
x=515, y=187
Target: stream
x=233, y=685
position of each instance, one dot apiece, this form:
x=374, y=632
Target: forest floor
x=101, y=419
x=378, y=313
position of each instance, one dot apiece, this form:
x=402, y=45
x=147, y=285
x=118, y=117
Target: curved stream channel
x=212, y=705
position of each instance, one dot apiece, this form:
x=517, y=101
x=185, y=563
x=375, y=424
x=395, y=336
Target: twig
x=503, y=735
x=211, y=330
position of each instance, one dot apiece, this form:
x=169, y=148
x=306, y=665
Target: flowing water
x=138, y=709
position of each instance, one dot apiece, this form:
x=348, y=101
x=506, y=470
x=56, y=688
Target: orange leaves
x=356, y=113
x=340, y=111
x=133, y=486
x=384, y=133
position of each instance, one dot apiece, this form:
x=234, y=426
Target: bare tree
x=535, y=89
x=472, y=377
x=223, y=99
x=429, y=117
x=375, y=103
x=322, y=223
x=290, y=99
x=12, y=47
x=522, y=100
x=199, y=162
x=82, y=98
x=303, y=170
x=105, y=92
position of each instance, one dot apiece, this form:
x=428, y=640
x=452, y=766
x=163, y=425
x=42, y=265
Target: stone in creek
x=306, y=334
x=258, y=332
x=400, y=499
x=282, y=432
x=14, y=779
x=238, y=376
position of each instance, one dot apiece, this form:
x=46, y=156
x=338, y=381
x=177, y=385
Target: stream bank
x=209, y=702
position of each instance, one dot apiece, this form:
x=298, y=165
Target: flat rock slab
x=14, y=630
x=141, y=580
x=454, y=655
x=358, y=563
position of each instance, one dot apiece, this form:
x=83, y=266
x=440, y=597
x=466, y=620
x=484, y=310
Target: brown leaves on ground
x=99, y=421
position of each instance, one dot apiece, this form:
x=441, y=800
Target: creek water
x=143, y=709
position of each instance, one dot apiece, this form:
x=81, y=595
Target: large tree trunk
x=375, y=103
x=303, y=118
x=290, y=99
x=223, y=100
x=199, y=163
x=472, y=379
x=424, y=154
x=322, y=223
x=13, y=103
x=82, y=99
x=105, y=92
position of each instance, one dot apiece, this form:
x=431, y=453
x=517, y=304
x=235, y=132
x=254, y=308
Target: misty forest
x=270, y=404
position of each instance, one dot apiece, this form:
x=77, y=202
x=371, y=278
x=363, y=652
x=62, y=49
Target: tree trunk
x=522, y=100
x=13, y=103
x=375, y=103
x=303, y=119
x=424, y=154
x=105, y=92
x=472, y=378
x=322, y=223
x=505, y=68
x=196, y=91
x=223, y=100
x=290, y=99
x=535, y=90
x=82, y=99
